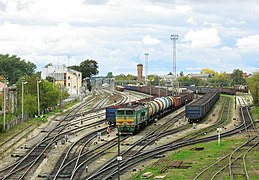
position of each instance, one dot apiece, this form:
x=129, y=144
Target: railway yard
x=78, y=144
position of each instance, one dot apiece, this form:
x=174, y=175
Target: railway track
x=36, y=154
x=235, y=161
x=147, y=154
x=108, y=169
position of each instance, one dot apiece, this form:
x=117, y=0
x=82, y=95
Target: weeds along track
x=234, y=163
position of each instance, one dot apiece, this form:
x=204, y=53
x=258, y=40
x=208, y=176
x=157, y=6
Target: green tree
x=47, y=65
x=49, y=95
x=89, y=68
x=109, y=75
x=12, y=67
x=219, y=80
x=181, y=73
x=253, y=85
x=77, y=68
x=1, y=102
x=130, y=77
x=154, y=79
x=170, y=73
x=237, y=77
x=120, y=77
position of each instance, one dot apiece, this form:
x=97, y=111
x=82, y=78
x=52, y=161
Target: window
x=129, y=112
x=120, y=112
x=68, y=77
x=68, y=84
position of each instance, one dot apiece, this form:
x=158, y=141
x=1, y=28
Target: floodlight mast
x=174, y=37
x=146, y=67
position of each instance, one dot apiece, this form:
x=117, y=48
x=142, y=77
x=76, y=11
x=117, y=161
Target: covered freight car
x=200, y=108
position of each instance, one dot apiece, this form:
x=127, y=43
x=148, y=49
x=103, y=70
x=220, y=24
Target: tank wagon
x=132, y=118
x=200, y=108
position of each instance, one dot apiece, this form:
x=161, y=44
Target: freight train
x=133, y=117
x=200, y=108
x=205, y=90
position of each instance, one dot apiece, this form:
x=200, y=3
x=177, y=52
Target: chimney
x=140, y=70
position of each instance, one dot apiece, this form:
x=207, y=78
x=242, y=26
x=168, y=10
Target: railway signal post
x=218, y=130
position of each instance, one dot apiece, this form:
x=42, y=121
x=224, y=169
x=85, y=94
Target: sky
x=215, y=34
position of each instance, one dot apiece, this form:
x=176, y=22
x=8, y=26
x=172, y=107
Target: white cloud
x=191, y=21
x=183, y=9
x=203, y=38
x=103, y=30
x=148, y=40
x=248, y=44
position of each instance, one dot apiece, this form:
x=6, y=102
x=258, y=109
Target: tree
x=253, y=85
x=181, y=73
x=89, y=68
x=109, y=75
x=77, y=68
x=47, y=65
x=13, y=68
x=237, y=77
x=170, y=73
x=49, y=95
x=207, y=71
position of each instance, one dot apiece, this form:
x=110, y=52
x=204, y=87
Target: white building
x=67, y=77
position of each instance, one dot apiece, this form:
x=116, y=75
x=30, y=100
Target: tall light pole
x=174, y=37
x=38, y=94
x=23, y=83
x=5, y=83
x=146, y=67
x=53, y=79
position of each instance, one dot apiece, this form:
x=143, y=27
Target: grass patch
x=19, y=127
x=255, y=112
x=196, y=160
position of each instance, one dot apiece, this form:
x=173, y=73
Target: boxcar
x=199, y=109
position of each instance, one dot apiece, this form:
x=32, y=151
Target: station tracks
x=234, y=164
x=26, y=165
x=110, y=171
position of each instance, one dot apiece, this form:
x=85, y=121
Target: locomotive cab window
x=120, y=112
x=129, y=112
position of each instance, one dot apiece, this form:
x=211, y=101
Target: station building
x=69, y=78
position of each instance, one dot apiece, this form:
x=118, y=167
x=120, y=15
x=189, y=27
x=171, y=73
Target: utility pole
x=60, y=101
x=174, y=37
x=23, y=83
x=146, y=67
x=5, y=83
x=38, y=93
